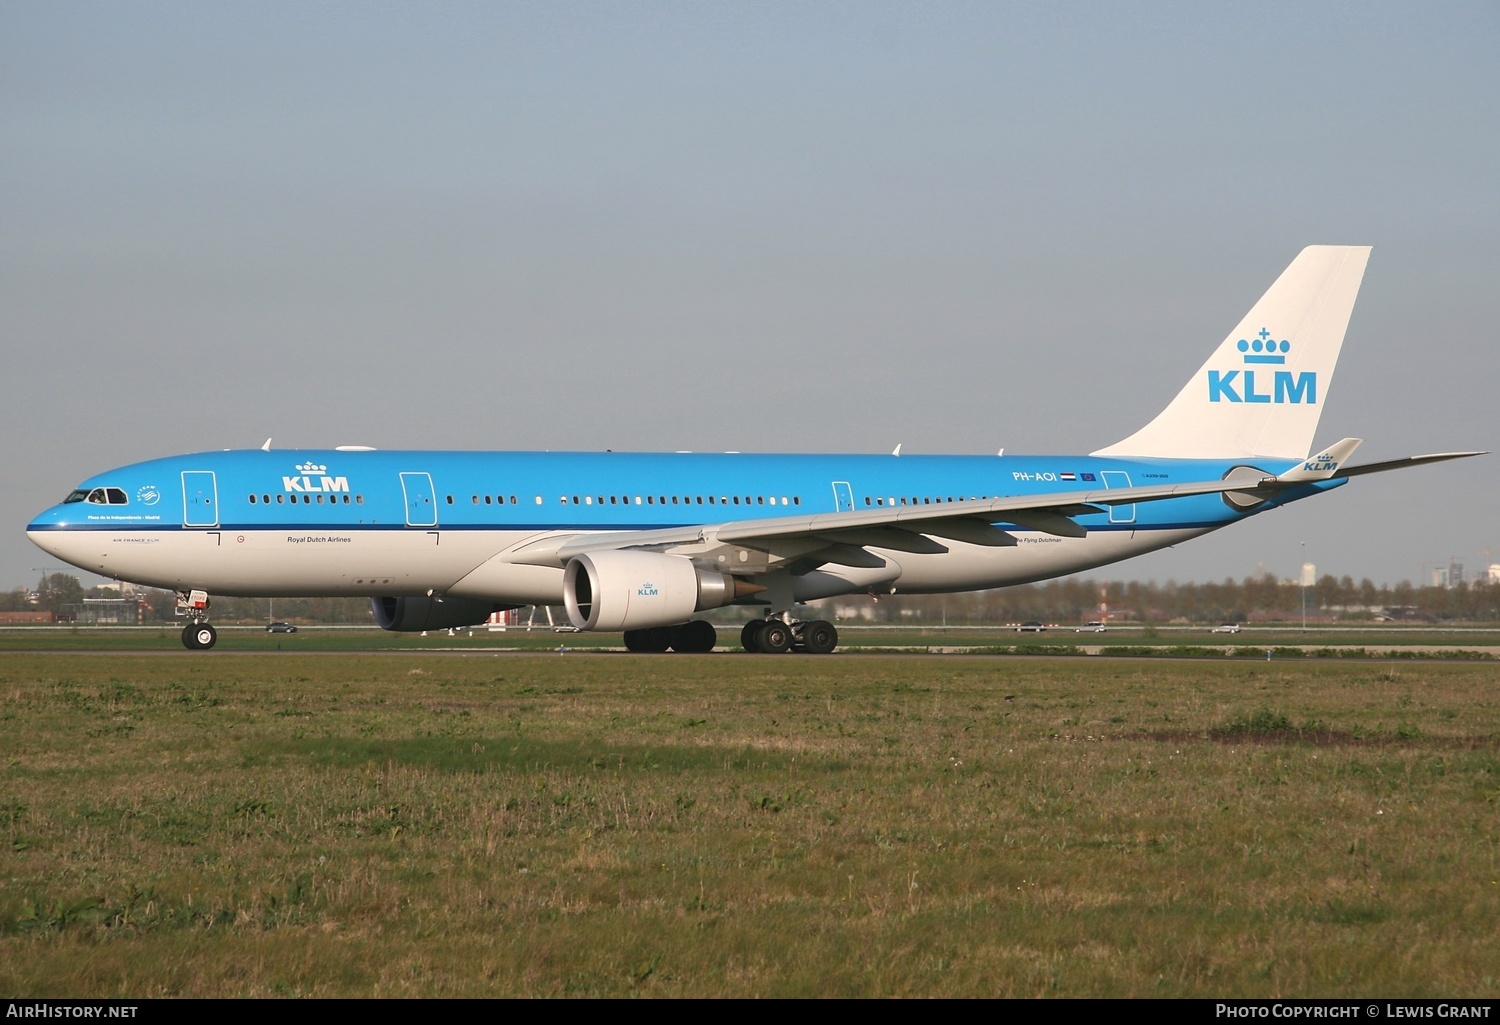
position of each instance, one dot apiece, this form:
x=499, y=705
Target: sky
x=781, y=227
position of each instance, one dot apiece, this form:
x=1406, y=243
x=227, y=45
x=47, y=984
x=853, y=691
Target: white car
x=1093, y=626
x=1227, y=628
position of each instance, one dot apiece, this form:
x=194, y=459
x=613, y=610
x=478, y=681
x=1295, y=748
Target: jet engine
x=625, y=590
x=413, y=615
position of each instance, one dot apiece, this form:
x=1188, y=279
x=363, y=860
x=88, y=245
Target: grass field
x=420, y=824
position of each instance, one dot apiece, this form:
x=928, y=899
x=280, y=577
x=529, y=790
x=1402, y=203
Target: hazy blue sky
x=764, y=226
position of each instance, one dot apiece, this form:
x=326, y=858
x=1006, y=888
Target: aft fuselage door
x=843, y=496
x=421, y=509
x=200, y=499
x=1119, y=513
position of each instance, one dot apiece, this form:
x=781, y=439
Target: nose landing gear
x=197, y=635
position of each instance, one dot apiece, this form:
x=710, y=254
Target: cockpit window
x=98, y=496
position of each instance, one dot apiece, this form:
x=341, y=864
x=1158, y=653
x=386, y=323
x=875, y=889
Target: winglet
x=1323, y=465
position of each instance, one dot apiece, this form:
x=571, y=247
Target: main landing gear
x=197, y=635
x=775, y=636
x=695, y=638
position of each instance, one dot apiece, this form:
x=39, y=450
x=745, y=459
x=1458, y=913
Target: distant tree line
x=1071, y=600
x=57, y=592
x=1262, y=598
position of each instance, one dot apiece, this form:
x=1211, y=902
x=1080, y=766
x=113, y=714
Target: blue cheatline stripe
x=601, y=528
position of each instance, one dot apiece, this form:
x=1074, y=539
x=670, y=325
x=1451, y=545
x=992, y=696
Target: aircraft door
x=200, y=499
x=1119, y=513
x=421, y=508
x=843, y=496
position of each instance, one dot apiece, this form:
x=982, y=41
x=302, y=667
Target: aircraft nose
x=50, y=532
x=45, y=531
x=46, y=540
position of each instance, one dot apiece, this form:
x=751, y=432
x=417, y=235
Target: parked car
x=1093, y=626
x=1227, y=628
x=1031, y=626
x=280, y=628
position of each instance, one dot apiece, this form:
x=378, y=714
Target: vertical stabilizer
x=1263, y=389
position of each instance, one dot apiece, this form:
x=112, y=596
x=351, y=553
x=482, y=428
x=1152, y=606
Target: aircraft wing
x=841, y=537
x=899, y=528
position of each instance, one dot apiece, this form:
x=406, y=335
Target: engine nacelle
x=636, y=590
x=413, y=615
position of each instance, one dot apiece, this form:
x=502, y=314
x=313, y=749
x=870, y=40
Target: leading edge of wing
x=558, y=549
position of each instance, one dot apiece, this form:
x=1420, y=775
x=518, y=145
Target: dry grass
x=511, y=824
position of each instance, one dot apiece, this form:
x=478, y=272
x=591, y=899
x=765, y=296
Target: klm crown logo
x=1241, y=386
x=306, y=468
x=1264, y=348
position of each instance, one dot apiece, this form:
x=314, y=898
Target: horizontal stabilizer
x=1401, y=464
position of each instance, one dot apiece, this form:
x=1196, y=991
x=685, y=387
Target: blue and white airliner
x=642, y=543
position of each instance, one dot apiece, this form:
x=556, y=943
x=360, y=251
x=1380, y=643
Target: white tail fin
x=1263, y=389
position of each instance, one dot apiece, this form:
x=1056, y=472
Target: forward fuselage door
x=843, y=496
x=1119, y=513
x=200, y=499
x=421, y=508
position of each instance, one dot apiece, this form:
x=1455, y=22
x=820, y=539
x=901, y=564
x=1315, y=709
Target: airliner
x=644, y=543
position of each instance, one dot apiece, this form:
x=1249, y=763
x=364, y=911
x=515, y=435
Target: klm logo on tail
x=1241, y=385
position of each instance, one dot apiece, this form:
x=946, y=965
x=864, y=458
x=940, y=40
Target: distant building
x=105, y=611
x=30, y=618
